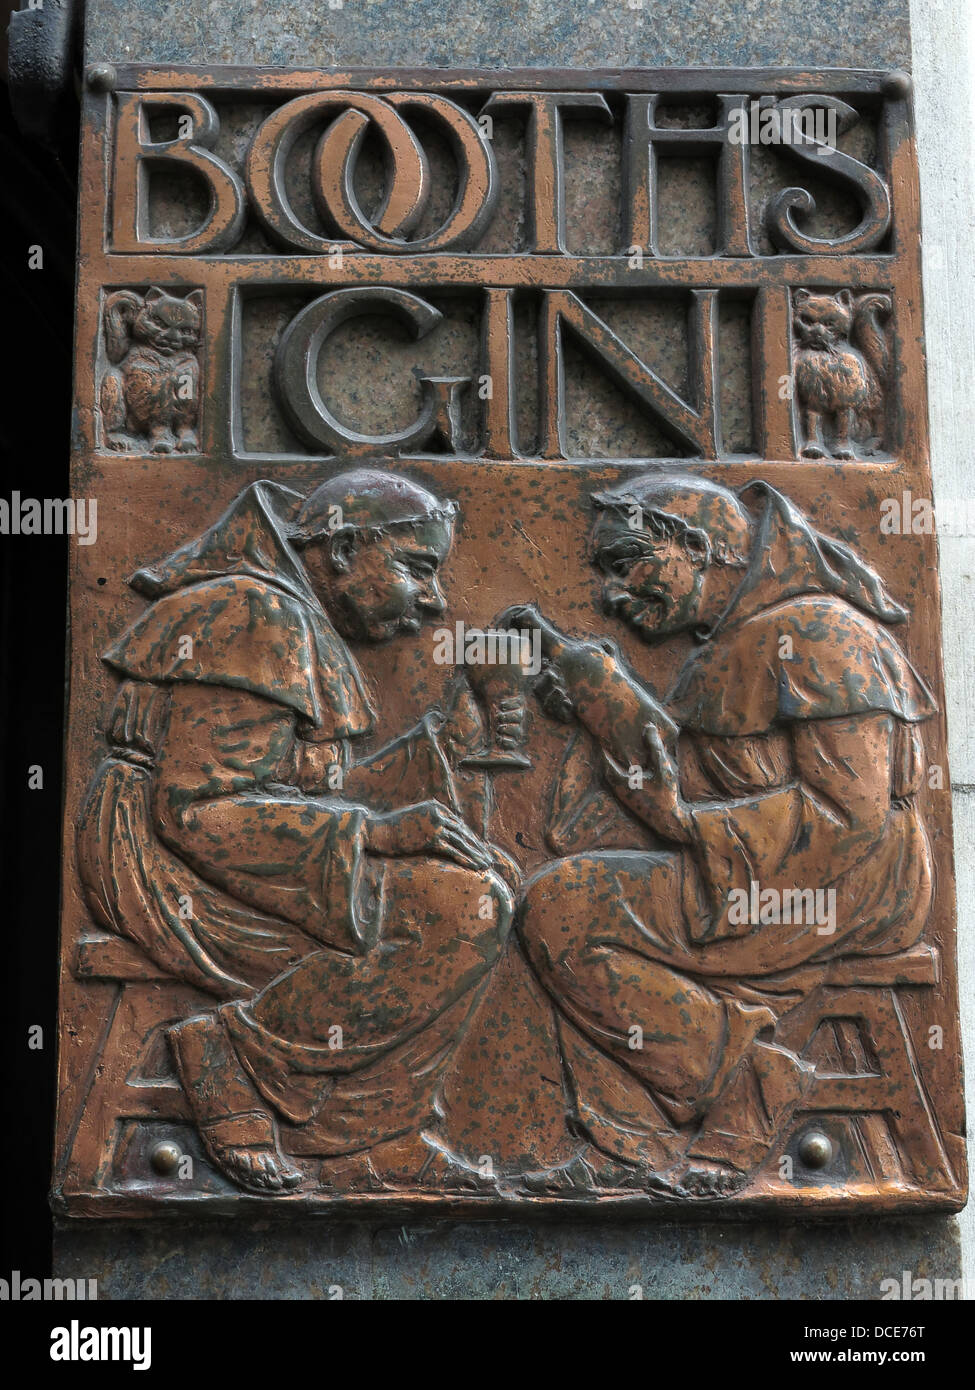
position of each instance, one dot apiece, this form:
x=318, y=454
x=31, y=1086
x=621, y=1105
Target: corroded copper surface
x=506, y=755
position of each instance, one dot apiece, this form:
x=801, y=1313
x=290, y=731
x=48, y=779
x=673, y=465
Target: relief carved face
x=375, y=586
x=652, y=583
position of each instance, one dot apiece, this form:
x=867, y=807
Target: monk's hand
x=552, y=694
x=463, y=727
x=517, y=615
x=549, y=687
x=526, y=617
x=652, y=791
x=428, y=828
x=509, y=722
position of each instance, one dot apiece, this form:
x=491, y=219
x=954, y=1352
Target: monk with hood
x=340, y=906
x=782, y=770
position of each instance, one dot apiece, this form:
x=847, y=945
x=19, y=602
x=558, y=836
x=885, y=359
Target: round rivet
x=815, y=1149
x=165, y=1157
x=101, y=77
x=897, y=84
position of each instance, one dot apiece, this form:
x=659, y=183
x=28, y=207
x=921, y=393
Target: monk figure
x=341, y=907
x=779, y=776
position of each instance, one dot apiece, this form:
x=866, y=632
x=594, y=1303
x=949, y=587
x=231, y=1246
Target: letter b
x=136, y=152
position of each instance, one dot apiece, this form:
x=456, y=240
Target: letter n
x=693, y=429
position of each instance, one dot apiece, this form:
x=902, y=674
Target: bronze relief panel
x=506, y=755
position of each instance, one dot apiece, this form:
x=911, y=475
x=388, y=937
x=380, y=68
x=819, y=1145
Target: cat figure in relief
x=842, y=364
x=150, y=396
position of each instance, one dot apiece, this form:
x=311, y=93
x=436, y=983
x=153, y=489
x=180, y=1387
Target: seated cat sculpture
x=150, y=396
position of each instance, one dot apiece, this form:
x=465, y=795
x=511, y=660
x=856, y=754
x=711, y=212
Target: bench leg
x=115, y=1092
x=898, y=1090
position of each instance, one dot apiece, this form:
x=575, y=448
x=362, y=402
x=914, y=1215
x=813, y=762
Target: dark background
x=38, y=193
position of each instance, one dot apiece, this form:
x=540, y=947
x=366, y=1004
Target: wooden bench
x=882, y=1079
x=120, y=1091
x=882, y=1082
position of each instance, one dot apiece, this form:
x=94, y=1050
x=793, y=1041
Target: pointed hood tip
x=249, y=542
x=788, y=544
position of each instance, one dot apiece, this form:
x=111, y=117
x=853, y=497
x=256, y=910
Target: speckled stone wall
x=515, y=33
x=499, y=1260
x=278, y=1260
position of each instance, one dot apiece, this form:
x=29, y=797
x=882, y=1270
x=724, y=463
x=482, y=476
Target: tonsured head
x=372, y=545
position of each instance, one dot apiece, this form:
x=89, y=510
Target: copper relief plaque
x=507, y=755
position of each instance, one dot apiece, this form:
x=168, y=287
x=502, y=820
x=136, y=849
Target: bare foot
x=703, y=1179
x=260, y=1168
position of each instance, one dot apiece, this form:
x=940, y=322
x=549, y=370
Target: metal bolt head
x=101, y=77
x=897, y=84
x=165, y=1157
x=815, y=1149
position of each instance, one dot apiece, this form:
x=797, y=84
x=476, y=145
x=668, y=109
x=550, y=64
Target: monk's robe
x=226, y=834
x=800, y=761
